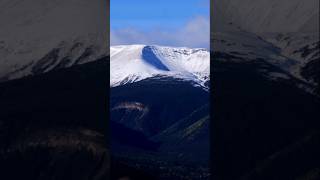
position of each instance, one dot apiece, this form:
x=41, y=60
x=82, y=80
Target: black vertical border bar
x=107, y=97
x=211, y=124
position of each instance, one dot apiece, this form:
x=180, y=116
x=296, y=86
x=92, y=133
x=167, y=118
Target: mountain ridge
x=50, y=35
x=132, y=63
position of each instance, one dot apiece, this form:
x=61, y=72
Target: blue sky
x=162, y=22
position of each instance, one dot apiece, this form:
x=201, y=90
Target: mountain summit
x=132, y=63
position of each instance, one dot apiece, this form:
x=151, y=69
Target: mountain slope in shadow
x=165, y=122
x=54, y=125
x=262, y=128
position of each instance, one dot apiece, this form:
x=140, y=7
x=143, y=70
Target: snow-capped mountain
x=288, y=57
x=38, y=36
x=280, y=32
x=159, y=109
x=132, y=63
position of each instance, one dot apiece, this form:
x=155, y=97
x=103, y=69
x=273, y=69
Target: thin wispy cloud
x=194, y=33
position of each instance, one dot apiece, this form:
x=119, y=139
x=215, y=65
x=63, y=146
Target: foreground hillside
x=54, y=125
x=160, y=126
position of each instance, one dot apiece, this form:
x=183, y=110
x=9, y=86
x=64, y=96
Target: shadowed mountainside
x=54, y=125
x=262, y=128
x=160, y=126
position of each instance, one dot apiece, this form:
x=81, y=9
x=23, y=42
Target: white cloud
x=195, y=33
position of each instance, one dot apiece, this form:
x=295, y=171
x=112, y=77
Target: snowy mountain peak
x=131, y=63
x=37, y=36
